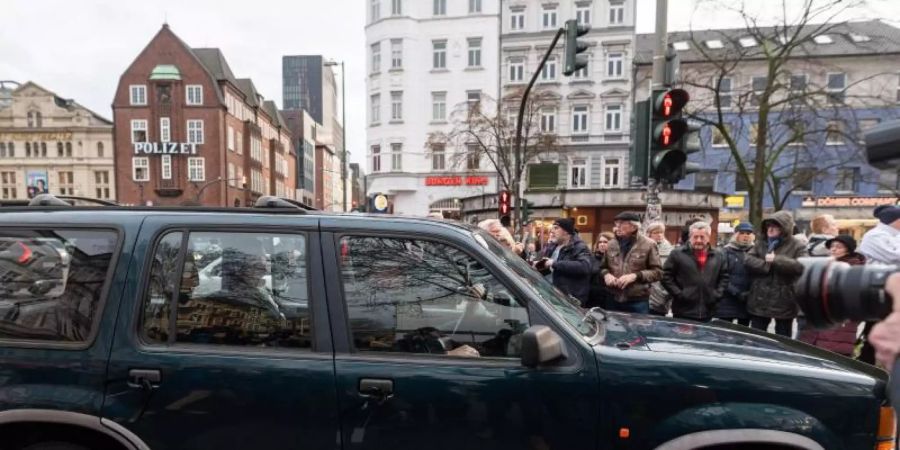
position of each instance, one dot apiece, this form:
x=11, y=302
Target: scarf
x=701, y=256
x=625, y=244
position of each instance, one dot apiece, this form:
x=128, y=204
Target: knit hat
x=887, y=214
x=567, y=224
x=628, y=217
x=848, y=242
x=744, y=226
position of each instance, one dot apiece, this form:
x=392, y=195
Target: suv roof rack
x=53, y=200
x=271, y=201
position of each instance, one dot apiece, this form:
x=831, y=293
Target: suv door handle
x=376, y=388
x=144, y=378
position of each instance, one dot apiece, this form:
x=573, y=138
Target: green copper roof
x=165, y=72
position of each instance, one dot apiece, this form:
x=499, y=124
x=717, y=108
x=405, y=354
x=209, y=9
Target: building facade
x=427, y=59
x=326, y=160
x=303, y=130
x=50, y=144
x=824, y=169
x=187, y=131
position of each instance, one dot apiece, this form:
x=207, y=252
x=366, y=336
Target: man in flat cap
x=631, y=265
x=570, y=261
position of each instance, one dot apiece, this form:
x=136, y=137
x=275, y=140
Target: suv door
x=427, y=351
x=226, y=343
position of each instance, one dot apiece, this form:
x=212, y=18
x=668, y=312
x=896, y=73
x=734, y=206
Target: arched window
x=30, y=120
x=99, y=149
x=38, y=120
x=28, y=149
x=43, y=149
x=11, y=149
x=68, y=149
x=59, y=149
x=2, y=149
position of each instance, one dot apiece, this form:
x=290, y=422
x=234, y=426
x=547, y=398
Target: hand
x=549, y=263
x=464, y=350
x=625, y=280
x=885, y=336
x=770, y=257
x=518, y=247
x=610, y=280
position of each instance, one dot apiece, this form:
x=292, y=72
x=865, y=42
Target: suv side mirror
x=540, y=345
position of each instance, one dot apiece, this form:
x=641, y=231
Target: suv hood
x=722, y=340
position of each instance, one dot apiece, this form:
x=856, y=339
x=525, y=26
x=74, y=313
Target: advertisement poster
x=37, y=183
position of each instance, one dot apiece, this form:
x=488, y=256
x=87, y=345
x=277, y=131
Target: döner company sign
x=164, y=148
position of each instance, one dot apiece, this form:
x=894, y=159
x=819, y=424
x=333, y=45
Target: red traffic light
x=503, y=208
x=669, y=132
x=670, y=102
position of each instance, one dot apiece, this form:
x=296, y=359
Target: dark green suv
x=279, y=328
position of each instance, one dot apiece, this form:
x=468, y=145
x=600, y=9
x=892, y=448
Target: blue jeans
x=633, y=305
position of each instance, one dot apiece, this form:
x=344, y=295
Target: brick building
x=187, y=131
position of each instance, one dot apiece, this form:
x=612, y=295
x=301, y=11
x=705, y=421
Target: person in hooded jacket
x=599, y=295
x=774, y=266
x=733, y=306
x=841, y=339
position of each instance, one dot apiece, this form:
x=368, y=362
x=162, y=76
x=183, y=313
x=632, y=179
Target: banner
x=36, y=182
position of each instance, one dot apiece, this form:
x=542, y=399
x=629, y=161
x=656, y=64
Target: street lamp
x=343, y=128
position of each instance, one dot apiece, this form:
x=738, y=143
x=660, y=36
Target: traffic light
x=503, y=207
x=667, y=128
x=574, y=60
x=527, y=209
x=638, y=150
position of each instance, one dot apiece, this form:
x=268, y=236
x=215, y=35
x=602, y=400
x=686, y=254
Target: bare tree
x=792, y=117
x=486, y=130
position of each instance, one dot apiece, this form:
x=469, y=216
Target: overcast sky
x=79, y=48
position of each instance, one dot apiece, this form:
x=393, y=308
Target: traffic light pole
x=517, y=156
x=654, y=205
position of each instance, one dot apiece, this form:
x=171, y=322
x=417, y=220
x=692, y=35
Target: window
x=140, y=168
x=474, y=6
x=714, y=44
x=100, y=153
x=138, y=131
x=375, y=111
x=230, y=138
x=376, y=10
x=748, y=41
x=2, y=149
x=889, y=180
x=517, y=20
x=616, y=13
x=165, y=163
x=798, y=83
x=580, y=119
x=396, y=7
x=438, y=161
x=11, y=149
x=439, y=54
x=543, y=176
x=583, y=15
x=823, y=39
x=239, y=142
x=233, y=289
x=578, y=174
x=195, y=131
x=66, y=183
x=614, y=118
x=440, y=7
x=681, y=46
x=582, y=73
x=834, y=133
x=376, y=158
x=415, y=296
x=62, y=301
x=847, y=179
x=396, y=53
x=740, y=183
x=8, y=185
x=376, y=57
x=718, y=138
x=101, y=180
x=165, y=133
x=705, y=182
x=612, y=172
x=396, y=157
x=396, y=105
x=548, y=17
x=60, y=149
x=473, y=99
x=438, y=106
x=68, y=149
x=473, y=157
x=194, y=94
x=474, y=52
x=548, y=120
x=614, y=65
x=837, y=82
x=28, y=150
x=548, y=73
x=725, y=93
x=803, y=179
x=758, y=85
x=516, y=70
x=138, y=95
x=196, y=169
x=797, y=130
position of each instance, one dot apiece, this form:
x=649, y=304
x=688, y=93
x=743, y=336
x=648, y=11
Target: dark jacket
x=734, y=303
x=643, y=260
x=772, y=289
x=695, y=292
x=841, y=339
x=599, y=295
x=572, y=269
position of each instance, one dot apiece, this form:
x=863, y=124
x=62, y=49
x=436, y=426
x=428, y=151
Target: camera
x=830, y=292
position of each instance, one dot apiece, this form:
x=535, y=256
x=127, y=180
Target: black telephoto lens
x=831, y=292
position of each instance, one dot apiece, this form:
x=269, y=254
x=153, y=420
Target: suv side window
x=235, y=289
x=52, y=282
x=417, y=296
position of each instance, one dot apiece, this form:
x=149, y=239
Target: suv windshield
x=562, y=304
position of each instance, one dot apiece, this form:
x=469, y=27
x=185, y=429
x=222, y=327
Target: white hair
x=639, y=226
x=701, y=226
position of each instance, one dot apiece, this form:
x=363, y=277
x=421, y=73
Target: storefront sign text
x=164, y=148
x=456, y=181
x=845, y=202
x=39, y=136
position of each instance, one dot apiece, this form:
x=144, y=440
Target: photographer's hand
x=885, y=336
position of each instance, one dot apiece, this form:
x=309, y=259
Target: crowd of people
x=749, y=281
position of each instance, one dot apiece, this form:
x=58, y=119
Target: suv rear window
x=52, y=282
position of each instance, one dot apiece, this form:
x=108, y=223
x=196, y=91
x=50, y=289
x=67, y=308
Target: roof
x=165, y=72
x=214, y=61
x=872, y=37
x=246, y=86
x=62, y=102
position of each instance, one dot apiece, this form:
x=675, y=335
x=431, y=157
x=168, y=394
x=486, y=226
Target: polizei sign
x=164, y=148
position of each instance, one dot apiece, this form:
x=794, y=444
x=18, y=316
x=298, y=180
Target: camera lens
x=831, y=292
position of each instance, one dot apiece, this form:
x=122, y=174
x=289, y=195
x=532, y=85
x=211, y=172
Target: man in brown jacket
x=631, y=265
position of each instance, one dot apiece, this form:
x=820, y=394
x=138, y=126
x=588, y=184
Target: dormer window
x=714, y=44
x=823, y=39
x=681, y=46
x=748, y=42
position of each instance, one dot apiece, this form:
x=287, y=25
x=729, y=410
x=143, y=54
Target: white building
x=425, y=58
x=591, y=110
